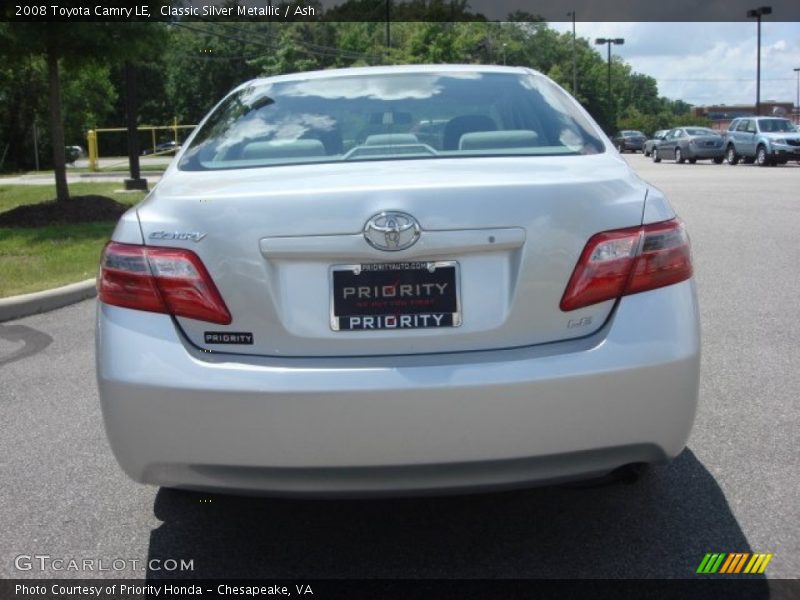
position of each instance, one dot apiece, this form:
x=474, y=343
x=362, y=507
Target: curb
x=38, y=302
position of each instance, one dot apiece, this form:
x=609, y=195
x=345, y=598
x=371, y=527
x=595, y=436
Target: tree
x=23, y=95
x=191, y=64
x=76, y=44
x=87, y=97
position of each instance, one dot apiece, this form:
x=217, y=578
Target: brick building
x=722, y=114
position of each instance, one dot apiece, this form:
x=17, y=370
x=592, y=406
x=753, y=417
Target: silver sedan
x=690, y=144
x=316, y=300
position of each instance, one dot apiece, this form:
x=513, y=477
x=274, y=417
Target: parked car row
x=763, y=140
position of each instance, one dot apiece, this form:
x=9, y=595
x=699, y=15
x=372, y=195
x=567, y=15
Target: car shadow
x=660, y=527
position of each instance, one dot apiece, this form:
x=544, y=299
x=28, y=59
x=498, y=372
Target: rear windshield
x=775, y=125
x=632, y=134
x=389, y=117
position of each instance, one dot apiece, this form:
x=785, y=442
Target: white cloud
x=707, y=63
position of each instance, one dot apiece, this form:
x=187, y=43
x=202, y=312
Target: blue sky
x=707, y=63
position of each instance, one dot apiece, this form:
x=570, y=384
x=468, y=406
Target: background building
x=721, y=115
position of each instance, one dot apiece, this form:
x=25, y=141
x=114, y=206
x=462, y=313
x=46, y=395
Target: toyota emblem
x=391, y=231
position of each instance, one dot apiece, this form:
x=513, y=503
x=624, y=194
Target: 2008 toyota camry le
x=396, y=280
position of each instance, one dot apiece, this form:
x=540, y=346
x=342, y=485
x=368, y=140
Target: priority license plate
x=403, y=295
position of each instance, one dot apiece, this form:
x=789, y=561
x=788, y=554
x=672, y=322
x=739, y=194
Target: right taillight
x=165, y=280
x=627, y=261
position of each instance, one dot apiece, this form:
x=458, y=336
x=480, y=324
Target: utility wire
x=314, y=49
x=710, y=80
x=219, y=57
x=222, y=36
x=267, y=46
x=329, y=50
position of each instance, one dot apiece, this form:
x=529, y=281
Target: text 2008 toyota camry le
x=396, y=280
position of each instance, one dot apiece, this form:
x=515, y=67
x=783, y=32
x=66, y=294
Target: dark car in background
x=629, y=139
x=658, y=136
x=72, y=153
x=765, y=140
x=690, y=144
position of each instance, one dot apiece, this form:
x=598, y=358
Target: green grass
x=40, y=258
x=161, y=167
x=45, y=257
x=119, y=167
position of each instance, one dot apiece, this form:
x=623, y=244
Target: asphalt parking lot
x=735, y=488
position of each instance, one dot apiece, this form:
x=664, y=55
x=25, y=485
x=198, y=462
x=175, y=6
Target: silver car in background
x=314, y=300
x=691, y=144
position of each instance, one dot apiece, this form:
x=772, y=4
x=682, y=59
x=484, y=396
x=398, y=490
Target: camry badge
x=392, y=231
x=195, y=236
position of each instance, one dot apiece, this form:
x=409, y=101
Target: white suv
x=763, y=140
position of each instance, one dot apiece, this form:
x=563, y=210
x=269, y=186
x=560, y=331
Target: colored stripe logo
x=733, y=563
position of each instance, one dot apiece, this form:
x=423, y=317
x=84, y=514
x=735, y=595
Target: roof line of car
x=388, y=69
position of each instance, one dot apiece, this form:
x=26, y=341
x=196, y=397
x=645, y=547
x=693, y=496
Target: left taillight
x=164, y=280
x=628, y=261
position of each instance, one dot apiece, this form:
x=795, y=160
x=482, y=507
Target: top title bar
x=397, y=10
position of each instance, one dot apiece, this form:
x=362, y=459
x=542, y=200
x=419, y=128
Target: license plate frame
x=389, y=312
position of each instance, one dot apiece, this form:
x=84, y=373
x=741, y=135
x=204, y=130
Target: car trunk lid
x=505, y=231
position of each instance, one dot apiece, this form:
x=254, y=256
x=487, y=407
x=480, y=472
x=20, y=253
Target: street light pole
x=608, y=41
x=36, y=144
x=388, y=21
x=797, y=105
x=574, y=56
x=757, y=13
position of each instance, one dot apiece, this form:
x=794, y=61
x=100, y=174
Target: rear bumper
x=707, y=152
x=182, y=418
x=627, y=145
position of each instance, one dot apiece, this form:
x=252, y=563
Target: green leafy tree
x=194, y=63
x=88, y=96
x=77, y=45
x=23, y=99
x=297, y=49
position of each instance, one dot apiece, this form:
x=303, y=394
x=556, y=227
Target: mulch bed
x=78, y=209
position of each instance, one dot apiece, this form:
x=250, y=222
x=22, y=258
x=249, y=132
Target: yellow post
x=91, y=139
x=153, y=131
x=175, y=128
